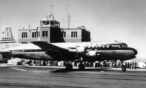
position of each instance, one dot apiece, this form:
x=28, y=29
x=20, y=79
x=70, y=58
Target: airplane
x=82, y=51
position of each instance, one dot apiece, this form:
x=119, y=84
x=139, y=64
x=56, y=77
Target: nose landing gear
x=123, y=67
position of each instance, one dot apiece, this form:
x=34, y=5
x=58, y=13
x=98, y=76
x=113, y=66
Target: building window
x=64, y=34
x=44, y=33
x=24, y=34
x=35, y=34
x=74, y=34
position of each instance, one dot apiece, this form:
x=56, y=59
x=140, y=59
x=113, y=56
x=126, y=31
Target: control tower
x=6, y=37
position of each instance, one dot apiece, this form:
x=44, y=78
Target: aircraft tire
x=69, y=67
x=81, y=67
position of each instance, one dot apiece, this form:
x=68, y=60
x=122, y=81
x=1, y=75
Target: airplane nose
x=135, y=51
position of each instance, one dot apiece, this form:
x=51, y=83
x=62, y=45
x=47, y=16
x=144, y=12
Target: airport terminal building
x=50, y=31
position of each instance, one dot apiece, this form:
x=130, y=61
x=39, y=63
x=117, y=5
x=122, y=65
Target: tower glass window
x=52, y=22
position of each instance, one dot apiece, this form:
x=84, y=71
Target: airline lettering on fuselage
x=107, y=46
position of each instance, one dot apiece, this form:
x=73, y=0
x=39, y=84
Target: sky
x=107, y=20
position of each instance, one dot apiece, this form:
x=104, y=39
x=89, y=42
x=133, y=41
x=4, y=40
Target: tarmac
x=45, y=77
x=75, y=68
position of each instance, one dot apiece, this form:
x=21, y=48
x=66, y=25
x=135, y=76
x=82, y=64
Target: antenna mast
x=68, y=14
x=51, y=11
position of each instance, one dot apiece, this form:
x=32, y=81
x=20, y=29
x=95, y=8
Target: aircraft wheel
x=81, y=66
x=69, y=67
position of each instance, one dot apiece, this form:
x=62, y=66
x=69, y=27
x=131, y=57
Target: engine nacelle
x=80, y=49
x=91, y=53
x=6, y=55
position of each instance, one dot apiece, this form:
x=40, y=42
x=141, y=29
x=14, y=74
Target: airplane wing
x=5, y=54
x=49, y=47
x=56, y=52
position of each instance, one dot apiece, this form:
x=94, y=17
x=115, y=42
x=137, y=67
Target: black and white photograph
x=72, y=43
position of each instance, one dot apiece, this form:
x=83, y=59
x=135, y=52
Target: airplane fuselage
x=91, y=51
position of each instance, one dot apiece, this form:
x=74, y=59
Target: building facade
x=79, y=34
x=50, y=31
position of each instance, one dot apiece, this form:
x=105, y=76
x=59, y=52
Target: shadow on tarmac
x=64, y=70
x=101, y=70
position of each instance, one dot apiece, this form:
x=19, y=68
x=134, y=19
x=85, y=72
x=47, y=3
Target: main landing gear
x=81, y=66
x=69, y=66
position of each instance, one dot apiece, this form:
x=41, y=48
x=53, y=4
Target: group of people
x=130, y=65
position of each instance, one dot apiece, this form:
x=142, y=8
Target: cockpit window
x=114, y=46
x=124, y=45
